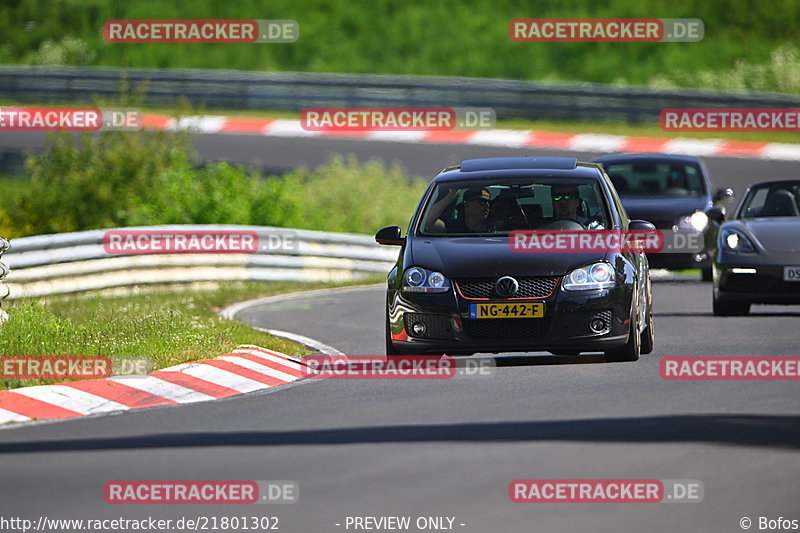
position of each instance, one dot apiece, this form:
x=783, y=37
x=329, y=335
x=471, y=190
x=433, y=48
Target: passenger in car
x=473, y=212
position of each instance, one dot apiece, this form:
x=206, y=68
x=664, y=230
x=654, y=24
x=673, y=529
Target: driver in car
x=566, y=205
x=565, y=202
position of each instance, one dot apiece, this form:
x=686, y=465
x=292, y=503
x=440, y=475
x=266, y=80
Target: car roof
x=614, y=158
x=513, y=167
x=773, y=182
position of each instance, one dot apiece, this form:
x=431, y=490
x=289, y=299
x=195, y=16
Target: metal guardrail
x=4, y=270
x=73, y=262
x=292, y=91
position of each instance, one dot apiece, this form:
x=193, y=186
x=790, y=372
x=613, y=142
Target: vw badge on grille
x=506, y=287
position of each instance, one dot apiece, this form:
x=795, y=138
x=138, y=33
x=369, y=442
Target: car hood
x=774, y=234
x=663, y=211
x=478, y=257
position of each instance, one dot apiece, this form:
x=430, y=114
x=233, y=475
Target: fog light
x=597, y=325
x=418, y=329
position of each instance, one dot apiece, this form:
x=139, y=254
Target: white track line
x=8, y=416
x=508, y=138
x=164, y=389
x=261, y=369
x=223, y=378
x=274, y=358
x=302, y=339
x=73, y=399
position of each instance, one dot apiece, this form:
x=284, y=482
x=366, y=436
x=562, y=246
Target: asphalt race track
x=279, y=154
x=451, y=447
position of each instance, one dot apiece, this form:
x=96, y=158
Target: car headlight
x=418, y=279
x=595, y=276
x=697, y=221
x=736, y=241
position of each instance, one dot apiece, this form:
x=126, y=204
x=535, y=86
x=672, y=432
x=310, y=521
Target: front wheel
x=648, y=336
x=390, y=349
x=706, y=274
x=631, y=350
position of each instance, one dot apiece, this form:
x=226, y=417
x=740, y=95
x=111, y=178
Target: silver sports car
x=757, y=259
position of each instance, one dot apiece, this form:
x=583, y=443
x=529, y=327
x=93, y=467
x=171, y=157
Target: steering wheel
x=562, y=224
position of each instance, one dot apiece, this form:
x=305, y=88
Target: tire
x=631, y=350
x=648, y=338
x=721, y=308
x=390, y=349
x=707, y=274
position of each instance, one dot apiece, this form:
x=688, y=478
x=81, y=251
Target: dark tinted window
x=774, y=200
x=498, y=207
x=652, y=178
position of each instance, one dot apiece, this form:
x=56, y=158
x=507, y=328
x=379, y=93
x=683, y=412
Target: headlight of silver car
x=736, y=241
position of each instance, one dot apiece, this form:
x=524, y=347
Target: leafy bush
x=118, y=179
x=781, y=73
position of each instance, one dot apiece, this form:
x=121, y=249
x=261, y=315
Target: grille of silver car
x=529, y=287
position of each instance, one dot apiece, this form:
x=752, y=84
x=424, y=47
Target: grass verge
x=169, y=326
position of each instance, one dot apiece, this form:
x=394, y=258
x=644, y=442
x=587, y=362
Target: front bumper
x=565, y=325
x=738, y=283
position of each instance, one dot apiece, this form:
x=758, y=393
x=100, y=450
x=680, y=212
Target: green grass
x=167, y=327
x=744, y=45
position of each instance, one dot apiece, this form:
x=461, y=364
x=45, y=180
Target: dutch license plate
x=504, y=310
x=791, y=273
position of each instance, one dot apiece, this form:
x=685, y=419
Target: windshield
x=499, y=207
x=653, y=178
x=773, y=200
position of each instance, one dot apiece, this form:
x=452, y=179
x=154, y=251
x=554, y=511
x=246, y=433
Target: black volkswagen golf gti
x=459, y=287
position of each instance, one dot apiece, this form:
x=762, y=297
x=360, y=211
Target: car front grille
x=506, y=328
x=529, y=287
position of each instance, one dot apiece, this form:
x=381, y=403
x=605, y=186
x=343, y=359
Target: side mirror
x=716, y=213
x=390, y=235
x=641, y=225
x=723, y=194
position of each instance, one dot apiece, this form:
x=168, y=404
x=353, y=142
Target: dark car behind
x=674, y=192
